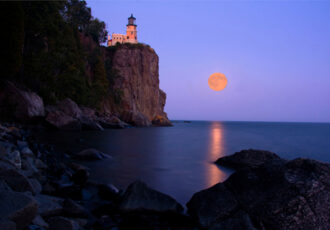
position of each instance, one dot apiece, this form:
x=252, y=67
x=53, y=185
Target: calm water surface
x=178, y=160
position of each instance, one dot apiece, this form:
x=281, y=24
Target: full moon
x=217, y=81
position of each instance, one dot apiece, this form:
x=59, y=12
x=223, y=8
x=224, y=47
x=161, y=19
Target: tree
x=78, y=14
x=96, y=29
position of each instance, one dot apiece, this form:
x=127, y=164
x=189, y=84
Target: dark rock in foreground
x=139, y=196
x=15, y=207
x=276, y=194
x=247, y=158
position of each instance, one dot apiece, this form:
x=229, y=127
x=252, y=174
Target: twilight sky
x=275, y=55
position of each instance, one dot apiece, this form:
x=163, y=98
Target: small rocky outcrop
x=18, y=104
x=139, y=196
x=276, y=194
x=91, y=154
x=161, y=121
x=247, y=158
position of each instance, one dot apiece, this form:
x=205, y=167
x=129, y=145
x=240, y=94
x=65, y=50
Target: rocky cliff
x=69, y=61
x=136, y=98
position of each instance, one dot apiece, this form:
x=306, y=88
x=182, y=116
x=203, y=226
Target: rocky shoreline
x=18, y=104
x=43, y=189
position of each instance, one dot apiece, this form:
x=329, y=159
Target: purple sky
x=276, y=56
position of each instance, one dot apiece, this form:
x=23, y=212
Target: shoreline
x=59, y=192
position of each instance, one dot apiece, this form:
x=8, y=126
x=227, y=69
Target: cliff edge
x=136, y=97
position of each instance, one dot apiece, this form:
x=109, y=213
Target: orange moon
x=217, y=81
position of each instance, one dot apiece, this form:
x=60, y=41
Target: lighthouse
x=131, y=32
x=130, y=37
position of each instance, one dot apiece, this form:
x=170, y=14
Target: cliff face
x=135, y=82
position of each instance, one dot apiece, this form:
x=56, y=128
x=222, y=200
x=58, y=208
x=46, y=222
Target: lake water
x=178, y=160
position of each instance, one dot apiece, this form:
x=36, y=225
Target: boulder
x=73, y=209
x=15, y=158
x=26, y=151
x=138, y=196
x=16, y=207
x=60, y=120
x=62, y=223
x=35, y=185
x=89, y=124
x=40, y=164
x=209, y=207
x=108, y=191
x=70, y=108
x=15, y=179
x=247, y=158
x=75, y=166
x=49, y=205
x=39, y=221
x=277, y=194
x=28, y=167
x=20, y=104
x=90, y=154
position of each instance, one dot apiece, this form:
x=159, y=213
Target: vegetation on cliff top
x=44, y=51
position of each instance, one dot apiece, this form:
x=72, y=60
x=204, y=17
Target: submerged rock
x=139, y=196
x=91, y=154
x=276, y=194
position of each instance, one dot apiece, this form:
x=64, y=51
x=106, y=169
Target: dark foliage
x=43, y=49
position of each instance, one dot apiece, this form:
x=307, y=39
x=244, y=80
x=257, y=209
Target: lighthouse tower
x=131, y=32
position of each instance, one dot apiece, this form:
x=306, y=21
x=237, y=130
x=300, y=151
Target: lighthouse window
x=127, y=37
x=131, y=32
